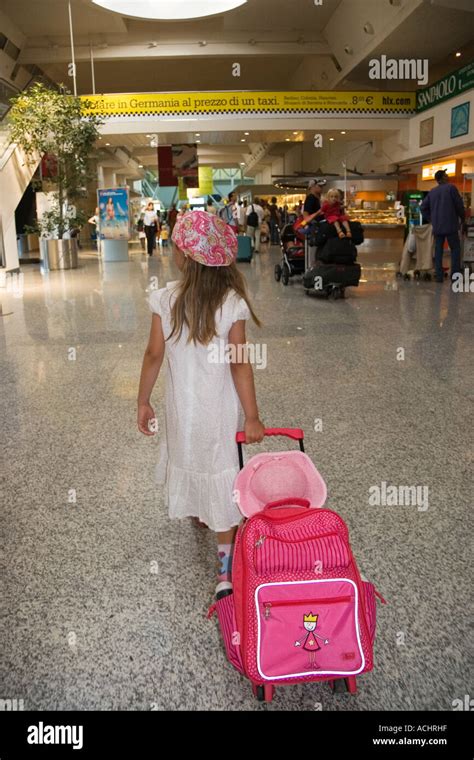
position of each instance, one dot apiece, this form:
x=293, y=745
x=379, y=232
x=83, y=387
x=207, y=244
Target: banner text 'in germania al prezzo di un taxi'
x=252, y=103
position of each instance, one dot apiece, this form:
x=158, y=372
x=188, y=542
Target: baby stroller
x=292, y=249
x=299, y=610
x=418, y=253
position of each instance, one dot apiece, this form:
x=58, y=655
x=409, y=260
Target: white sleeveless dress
x=198, y=454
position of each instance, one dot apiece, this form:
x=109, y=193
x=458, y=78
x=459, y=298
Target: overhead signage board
x=429, y=170
x=458, y=82
x=254, y=103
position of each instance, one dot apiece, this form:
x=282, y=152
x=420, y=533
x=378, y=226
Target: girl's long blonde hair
x=201, y=293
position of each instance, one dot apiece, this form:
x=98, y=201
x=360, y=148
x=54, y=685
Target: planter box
x=62, y=254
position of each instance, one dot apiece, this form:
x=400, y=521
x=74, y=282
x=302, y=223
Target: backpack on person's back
x=252, y=219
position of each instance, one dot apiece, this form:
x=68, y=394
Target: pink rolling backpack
x=299, y=610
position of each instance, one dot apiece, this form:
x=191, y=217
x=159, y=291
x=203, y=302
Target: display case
x=388, y=217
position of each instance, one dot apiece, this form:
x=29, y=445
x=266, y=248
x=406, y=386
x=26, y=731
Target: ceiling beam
x=142, y=51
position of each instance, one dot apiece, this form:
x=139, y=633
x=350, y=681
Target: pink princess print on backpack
x=311, y=644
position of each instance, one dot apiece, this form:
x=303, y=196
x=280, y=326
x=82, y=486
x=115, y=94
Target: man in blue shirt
x=444, y=208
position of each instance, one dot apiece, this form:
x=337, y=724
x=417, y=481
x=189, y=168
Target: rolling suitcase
x=331, y=279
x=338, y=251
x=244, y=252
x=299, y=611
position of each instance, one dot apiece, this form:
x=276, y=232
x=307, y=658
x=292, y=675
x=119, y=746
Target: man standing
x=254, y=220
x=172, y=215
x=230, y=212
x=444, y=208
x=275, y=222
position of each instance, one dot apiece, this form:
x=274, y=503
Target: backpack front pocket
x=308, y=628
x=275, y=554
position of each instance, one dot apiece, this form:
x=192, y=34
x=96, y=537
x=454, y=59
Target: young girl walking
x=198, y=325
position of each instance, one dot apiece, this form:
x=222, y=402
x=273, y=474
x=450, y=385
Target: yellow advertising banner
x=206, y=184
x=252, y=103
x=182, y=190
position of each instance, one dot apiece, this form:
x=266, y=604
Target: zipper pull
x=267, y=610
x=260, y=541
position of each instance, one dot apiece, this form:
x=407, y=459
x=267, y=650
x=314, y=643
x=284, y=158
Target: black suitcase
x=357, y=233
x=338, y=251
x=345, y=275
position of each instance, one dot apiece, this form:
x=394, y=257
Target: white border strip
x=310, y=672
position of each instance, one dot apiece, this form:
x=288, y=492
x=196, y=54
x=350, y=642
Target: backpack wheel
x=351, y=684
x=338, y=686
x=263, y=692
x=269, y=692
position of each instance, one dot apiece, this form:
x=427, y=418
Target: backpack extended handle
x=295, y=502
x=297, y=434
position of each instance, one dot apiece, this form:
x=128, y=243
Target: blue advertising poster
x=114, y=214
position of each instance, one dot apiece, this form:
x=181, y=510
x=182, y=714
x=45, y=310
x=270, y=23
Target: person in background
x=210, y=208
x=151, y=225
x=275, y=222
x=164, y=235
x=141, y=233
x=230, y=212
x=94, y=222
x=242, y=217
x=333, y=211
x=172, y=214
x=206, y=402
x=266, y=211
x=76, y=235
x=312, y=204
x=444, y=209
x=254, y=220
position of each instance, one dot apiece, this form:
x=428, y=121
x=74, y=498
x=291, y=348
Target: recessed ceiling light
x=458, y=54
x=343, y=132
x=287, y=139
x=148, y=135
x=140, y=166
x=107, y=143
x=295, y=133
x=246, y=133
x=198, y=141
x=331, y=139
x=163, y=9
x=243, y=139
x=198, y=134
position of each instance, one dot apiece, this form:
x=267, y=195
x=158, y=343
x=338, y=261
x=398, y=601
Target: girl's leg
x=225, y=543
x=339, y=229
x=347, y=228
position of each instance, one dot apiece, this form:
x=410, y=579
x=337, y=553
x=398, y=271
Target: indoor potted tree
x=51, y=123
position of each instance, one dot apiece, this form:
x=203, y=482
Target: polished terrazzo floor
x=105, y=598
